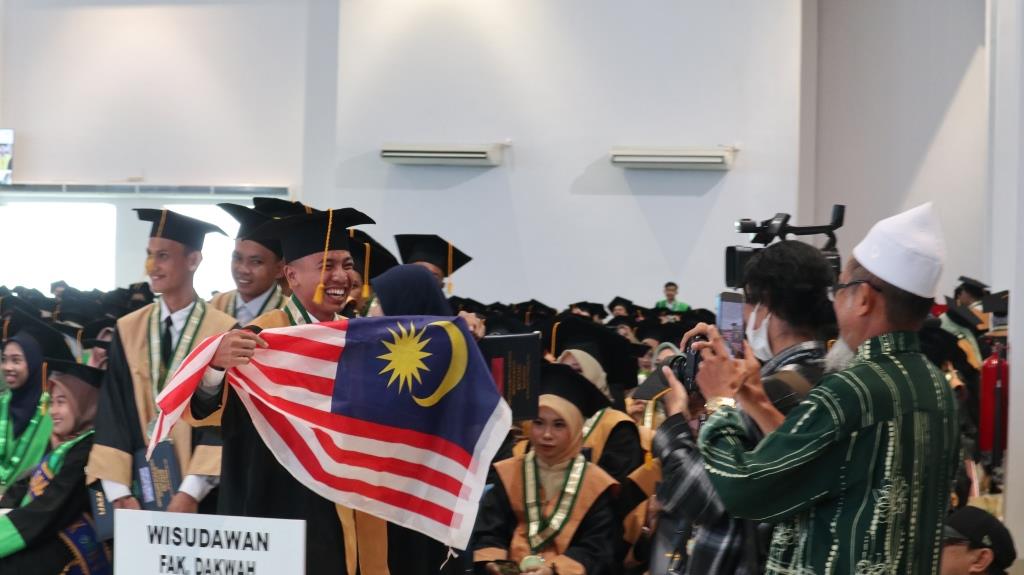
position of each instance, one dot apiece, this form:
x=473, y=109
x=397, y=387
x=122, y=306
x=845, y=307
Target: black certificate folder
x=515, y=365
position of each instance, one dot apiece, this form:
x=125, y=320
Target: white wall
x=166, y=92
x=902, y=119
x=565, y=81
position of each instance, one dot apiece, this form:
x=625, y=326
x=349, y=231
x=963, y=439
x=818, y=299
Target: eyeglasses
x=833, y=290
x=955, y=541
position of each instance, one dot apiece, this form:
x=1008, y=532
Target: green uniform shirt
x=679, y=306
x=858, y=477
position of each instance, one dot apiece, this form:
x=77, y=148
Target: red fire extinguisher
x=993, y=404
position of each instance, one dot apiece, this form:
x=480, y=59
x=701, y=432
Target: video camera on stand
x=736, y=257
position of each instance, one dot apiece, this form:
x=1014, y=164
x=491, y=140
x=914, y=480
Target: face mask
x=758, y=338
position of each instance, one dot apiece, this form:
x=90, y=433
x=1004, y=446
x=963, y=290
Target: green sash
x=159, y=373
x=541, y=530
x=19, y=454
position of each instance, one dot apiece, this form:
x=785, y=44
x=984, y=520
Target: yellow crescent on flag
x=456, y=368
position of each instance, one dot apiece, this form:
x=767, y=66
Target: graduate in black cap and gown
x=551, y=510
x=45, y=525
x=147, y=347
x=256, y=267
x=320, y=284
x=371, y=259
x=437, y=254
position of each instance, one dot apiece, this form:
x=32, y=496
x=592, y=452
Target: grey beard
x=839, y=357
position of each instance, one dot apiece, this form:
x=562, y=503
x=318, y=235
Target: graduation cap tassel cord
x=318, y=296
x=366, y=270
x=451, y=265
x=554, y=338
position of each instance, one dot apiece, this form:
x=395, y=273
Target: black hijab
x=25, y=399
x=410, y=290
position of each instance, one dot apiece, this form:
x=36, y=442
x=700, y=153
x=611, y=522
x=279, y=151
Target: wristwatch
x=715, y=403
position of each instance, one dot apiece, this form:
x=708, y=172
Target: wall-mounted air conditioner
x=443, y=154
x=674, y=158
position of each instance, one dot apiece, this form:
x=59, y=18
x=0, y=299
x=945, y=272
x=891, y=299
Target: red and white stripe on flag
x=419, y=481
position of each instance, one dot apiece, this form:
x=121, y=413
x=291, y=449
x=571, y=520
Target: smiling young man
x=147, y=347
x=320, y=281
x=256, y=266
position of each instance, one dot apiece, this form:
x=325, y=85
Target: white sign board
x=158, y=543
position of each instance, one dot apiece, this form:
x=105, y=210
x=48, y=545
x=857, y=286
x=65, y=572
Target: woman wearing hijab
x=45, y=526
x=25, y=424
x=551, y=512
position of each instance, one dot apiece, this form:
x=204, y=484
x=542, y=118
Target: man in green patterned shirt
x=856, y=478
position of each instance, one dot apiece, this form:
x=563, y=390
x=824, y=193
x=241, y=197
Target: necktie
x=165, y=343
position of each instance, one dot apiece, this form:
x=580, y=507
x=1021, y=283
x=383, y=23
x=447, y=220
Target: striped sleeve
x=789, y=471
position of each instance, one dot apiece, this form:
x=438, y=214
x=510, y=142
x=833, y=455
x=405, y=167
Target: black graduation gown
x=63, y=503
x=592, y=545
x=254, y=484
x=622, y=452
x=118, y=425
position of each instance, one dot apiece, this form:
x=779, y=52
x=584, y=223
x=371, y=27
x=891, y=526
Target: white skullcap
x=906, y=250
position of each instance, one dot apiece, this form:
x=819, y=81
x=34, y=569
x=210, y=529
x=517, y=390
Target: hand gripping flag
x=394, y=416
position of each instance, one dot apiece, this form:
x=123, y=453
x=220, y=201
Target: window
x=214, y=274
x=43, y=242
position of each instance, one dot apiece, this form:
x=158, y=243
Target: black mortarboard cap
x=177, y=227
x=58, y=284
x=961, y=316
x=278, y=208
x=466, y=304
x=370, y=256
x=997, y=303
x=305, y=234
x=505, y=324
x=612, y=351
x=249, y=220
x=972, y=282
x=533, y=311
x=621, y=320
x=594, y=309
x=650, y=387
x=433, y=250
x=563, y=381
x=49, y=339
x=90, y=375
x=628, y=304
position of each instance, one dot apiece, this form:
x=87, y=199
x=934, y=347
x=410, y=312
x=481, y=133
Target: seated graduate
x=24, y=421
x=45, y=526
x=551, y=511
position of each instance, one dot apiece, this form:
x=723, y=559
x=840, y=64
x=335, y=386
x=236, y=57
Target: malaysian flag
x=398, y=417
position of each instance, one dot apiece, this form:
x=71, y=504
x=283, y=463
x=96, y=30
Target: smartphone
x=730, y=321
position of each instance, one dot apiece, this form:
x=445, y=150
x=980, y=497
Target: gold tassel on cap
x=554, y=338
x=7, y=325
x=451, y=262
x=318, y=296
x=163, y=221
x=366, y=271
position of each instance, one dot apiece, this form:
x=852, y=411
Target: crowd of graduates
x=802, y=456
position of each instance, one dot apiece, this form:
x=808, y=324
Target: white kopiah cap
x=906, y=250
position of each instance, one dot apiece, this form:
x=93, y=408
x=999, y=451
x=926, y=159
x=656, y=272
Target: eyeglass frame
x=835, y=289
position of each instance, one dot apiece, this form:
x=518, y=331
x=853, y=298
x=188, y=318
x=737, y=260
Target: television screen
x=6, y=156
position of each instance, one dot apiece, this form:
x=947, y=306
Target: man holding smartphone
x=787, y=307
x=857, y=477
